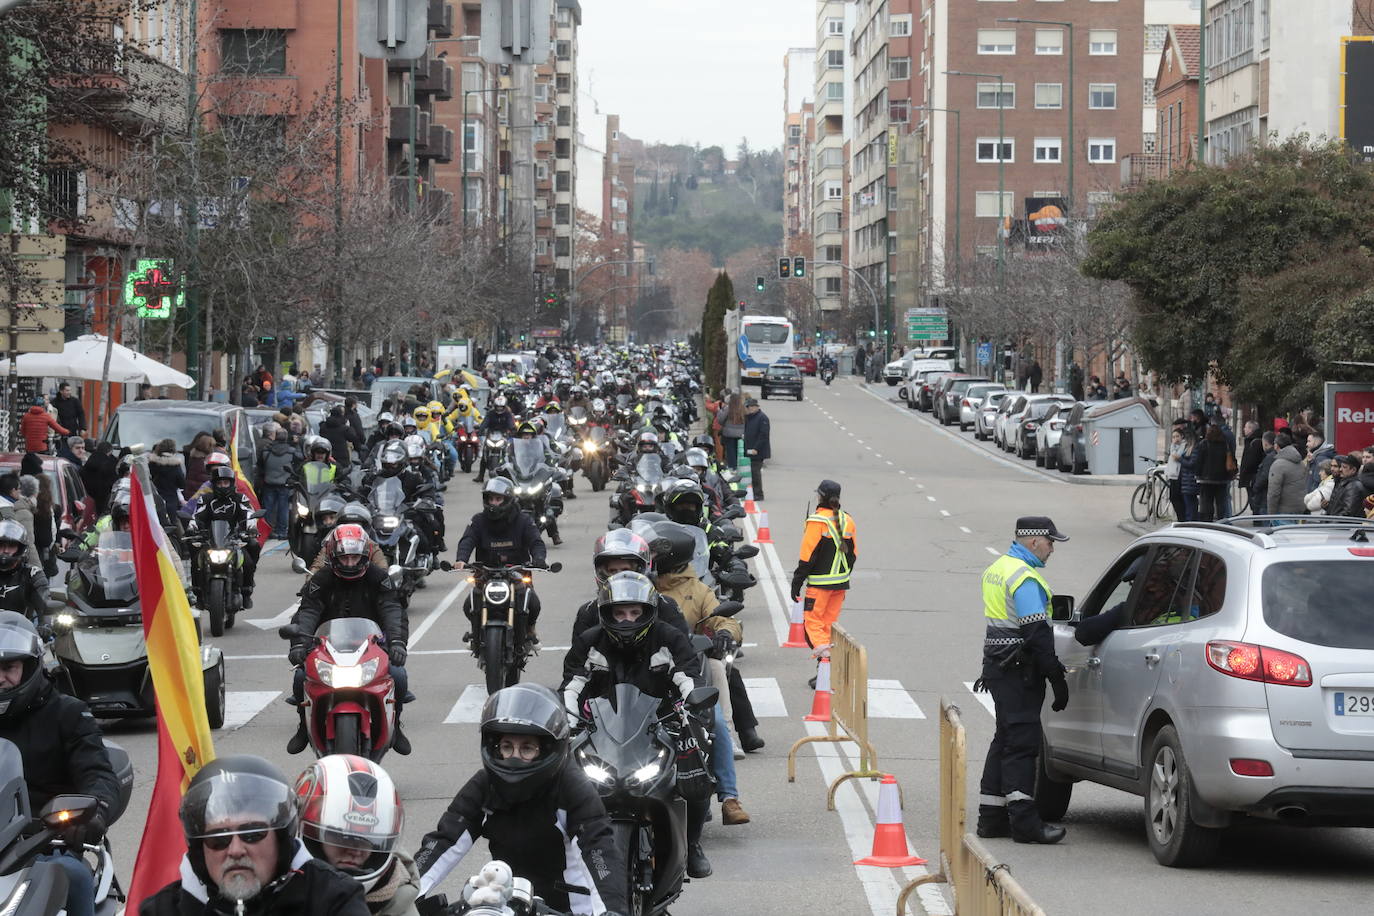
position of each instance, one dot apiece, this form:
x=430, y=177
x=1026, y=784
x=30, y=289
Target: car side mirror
x=1061, y=608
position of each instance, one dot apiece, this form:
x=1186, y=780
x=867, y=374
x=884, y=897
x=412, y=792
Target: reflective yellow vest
x=839, y=564
x=1000, y=582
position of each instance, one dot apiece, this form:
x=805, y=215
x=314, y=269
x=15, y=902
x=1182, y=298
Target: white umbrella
x=84, y=358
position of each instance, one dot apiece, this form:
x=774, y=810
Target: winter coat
x=168, y=478
x=1347, y=498
x=24, y=590
x=35, y=426
x=340, y=433
x=311, y=888
x=1317, y=501
x=327, y=597
x=276, y=463
x=513, y=542
x=196, y=471
x=697, y=602
x=62, y=748
x=98, y=475
x=355, y=421
x=1187, y=470
x=22, y=510
x=728, y=430
x=1259, y=487
x=396, y=894
x=1287, y=483
x=756, y=436
x=70, y=413
x=1211, y=462
x=1326, y=452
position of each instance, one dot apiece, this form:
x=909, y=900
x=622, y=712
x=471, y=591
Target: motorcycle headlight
x=598, y=774
x=65, y=620
x=218, y=556
x=589, y=446
x=494, y=443
x=347, y=675
x=302, y=510
x=646, y=772
x=641, y=488
x=390, y=521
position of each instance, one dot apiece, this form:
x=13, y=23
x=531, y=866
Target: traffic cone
x=889, y=836
x=796, y=630
x=820, y=703
x=764, y=536
x=749, y=506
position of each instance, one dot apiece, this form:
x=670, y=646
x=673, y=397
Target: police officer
x=1018, y=658
x=828, y=552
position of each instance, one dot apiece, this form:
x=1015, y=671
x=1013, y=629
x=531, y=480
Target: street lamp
x=958, y=183
x=1001, y=162
x=1072, y=141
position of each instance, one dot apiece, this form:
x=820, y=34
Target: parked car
x=920, y=371
x=972, y=401
x=781, y=378
x=1048, y=433
x=805, y=360
x=68, y=492
x=1012, y=403
x=925, y=394
x=148, y=422
x=902, y=367
x=389, y=386
x=986, y=415
x=1027, y=421
x=1238, y=684
x=1073, y=443
x=951, y=397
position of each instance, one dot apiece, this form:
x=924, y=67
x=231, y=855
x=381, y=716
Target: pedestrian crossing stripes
x=984, y=698
x=242, y=706
x=273, y=623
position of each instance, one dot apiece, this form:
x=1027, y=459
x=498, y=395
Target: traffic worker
x=1018, y=658
x=828, y=551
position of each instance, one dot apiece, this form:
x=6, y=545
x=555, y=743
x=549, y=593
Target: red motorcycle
x=350, y=697
x=469, y=446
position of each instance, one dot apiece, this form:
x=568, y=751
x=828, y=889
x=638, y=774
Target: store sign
x=1350, y=413
x=153, y=288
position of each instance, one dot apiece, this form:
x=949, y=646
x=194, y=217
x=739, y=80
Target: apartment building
x=833, y=113
x=1017, y=72
x=567, y=20
x=798, y=82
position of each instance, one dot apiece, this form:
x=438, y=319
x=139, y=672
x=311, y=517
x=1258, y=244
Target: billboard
x=1350, y=415
x=1046, y=220
x=1357, y=94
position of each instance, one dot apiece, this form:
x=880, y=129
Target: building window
x=541, y=171
x=562, y=246
x=473, y=198
x=1231, y=135
x=1149, y=95
x=562, y=181
x=562, y=214
x=996, y=41
x=563, y=50
x=834, y=91
x=892, y=198
x=834, y=60
x=564, y=16
x=899, y=26
x=1102, y=95
x=832, y=286
x=541, y=92
x=1049, y=41
x=563, y=82
x=987, y=149
x=834, y=190
x=831, y=252
x=899, y=68
x=829, y=222
x=564, y=116
x=1049, y=95
x=253, y=51
x=1150, y=144
x=987, y=95
x=832, y=158
x=541, y=132
x=1102, y=41
x=1101, y=149
x=562, y=149
x=1154, y=38
x=541, y=247
x=1049, y=149
x=985, y=203
x=834, y=26
x=898, y=110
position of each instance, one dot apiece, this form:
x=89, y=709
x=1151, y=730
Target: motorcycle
x=437, y=452
x=217, y=572
x=31, y=887
x=468, y=443
x=631, y=756
x=350, y=697
x=498, y=634
x=396, y=534
x=98, y=636
x=596, y=453
x=536, y=489
x=494, y=449
x=495, y=891
x=304, y=534
x=828, y=374
x=637, y=490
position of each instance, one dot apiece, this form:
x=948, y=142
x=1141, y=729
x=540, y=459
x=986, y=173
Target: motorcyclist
x=647, y=443
x=502, y=535
x=631, y=645
x=721, y=494
x=827, y=362
x=60, y=745
x=499, y=419
x=350, y=586
x=239, y=816
x=399, y=460
x=318, y=467
x=378, y=435
x=536, y=809
x=622, y=550
x=354, y=513
x=351, y=817
x=23, y=587
x=684, y=502
x=224, y=503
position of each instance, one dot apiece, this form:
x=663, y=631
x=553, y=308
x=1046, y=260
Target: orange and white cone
x=796, y=630
x=889, y=836
x=764, y=536
x=749, y=506
x=820, y=703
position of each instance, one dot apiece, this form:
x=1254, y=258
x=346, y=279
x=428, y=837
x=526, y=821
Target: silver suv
x=1239, y=682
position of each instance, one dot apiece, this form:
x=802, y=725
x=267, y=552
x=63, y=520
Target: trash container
x=844, y=362
x=1120, y=436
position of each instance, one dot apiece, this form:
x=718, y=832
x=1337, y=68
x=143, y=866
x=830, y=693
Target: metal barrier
x=848, y=711
x=981, y=885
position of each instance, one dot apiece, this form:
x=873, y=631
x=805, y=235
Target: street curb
x=1131, y=526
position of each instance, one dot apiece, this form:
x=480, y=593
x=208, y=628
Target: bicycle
x=1151, y=498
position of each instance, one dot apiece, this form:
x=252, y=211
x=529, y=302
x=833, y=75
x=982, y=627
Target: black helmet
x=502, y=507
x=354, y=513
x=828, y=489
x=526, y=428
x=19, y=642
x=524, y=709
x=704, y=442
x=330, y=504
x=696, y=458
x=679, y=549
x=619, y=590
x=620, y=543
x=12, y=534
x=393, y=458
x=684, y=501
x=238, y=794
x=223, y=482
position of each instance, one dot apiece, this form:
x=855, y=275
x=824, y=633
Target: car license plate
x=1354, y=704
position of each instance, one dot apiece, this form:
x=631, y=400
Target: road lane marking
x=945, y=513
x=930, y=498
x=889, y=464
x=766, y=696
x=453, y=595
x=242, y=706
x=272, y=623
x=768, y=569
x=888, y=699
x=468, y=708
x=994, y=551
x=965, y=530
x=983, y=697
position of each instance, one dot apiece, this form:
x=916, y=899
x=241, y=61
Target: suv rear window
x=783, y=371
x=1323, y=602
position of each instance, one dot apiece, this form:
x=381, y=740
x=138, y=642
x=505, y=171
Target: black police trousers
x=1007, y=790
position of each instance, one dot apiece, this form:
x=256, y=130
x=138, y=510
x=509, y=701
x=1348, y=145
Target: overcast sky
x=707, y=71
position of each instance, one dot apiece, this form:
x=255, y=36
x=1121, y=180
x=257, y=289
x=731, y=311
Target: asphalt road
x=932, y=510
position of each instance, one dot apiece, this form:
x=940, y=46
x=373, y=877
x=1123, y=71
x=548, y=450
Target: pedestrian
x=860, y=355
x=168, y=474
x=20, y=507
x=1317, y=501
x=1251, y=455
x=1187, y=473
x=1347, y=497
x=1035, y=376
x=1076, y=381
x=357, y=371
x=73, y=449
x=1318, y=450
x=47, y=520
x=276, y=460
x=829, y=549
x=36, y=425
x=731, y=420
x=145, y=392
x=1123, y=387
x=1213, y=475
x=1173, y=473
x=1259, y=487
x=340, y=433
x=1096, y=390
x=355, y=419
x=1287, y=479
x=757, y=443
x=70, y=413
x=1018, y=659
x=1211, y=409
x=248, y=393
x=98, y=475
x=202, y=447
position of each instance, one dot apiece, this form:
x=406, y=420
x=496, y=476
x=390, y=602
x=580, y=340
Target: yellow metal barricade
x=848, y=711
x=981, y=885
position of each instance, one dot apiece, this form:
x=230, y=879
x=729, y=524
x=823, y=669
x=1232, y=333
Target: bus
x=763, y=341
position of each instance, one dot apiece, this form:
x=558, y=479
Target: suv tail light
x=1244, y=766
x=966, y=403
x=1259, y=663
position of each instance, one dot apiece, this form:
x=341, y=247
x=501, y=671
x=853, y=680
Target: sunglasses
x=220, y=841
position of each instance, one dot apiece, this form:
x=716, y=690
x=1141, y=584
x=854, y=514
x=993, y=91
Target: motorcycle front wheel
x=348, y=735
x=639, y=875
x=494, y=659
x=217, y=603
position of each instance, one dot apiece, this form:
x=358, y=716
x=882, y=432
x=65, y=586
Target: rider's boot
x=246, y=596
x=301, y=738
x=399, y=742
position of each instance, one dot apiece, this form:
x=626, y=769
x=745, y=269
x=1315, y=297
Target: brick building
x=1176, y=98
x=832, y=97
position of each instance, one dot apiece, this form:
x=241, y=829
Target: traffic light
x=784, y=268
x=759, y=283
x=799, y=267
x=871, y=332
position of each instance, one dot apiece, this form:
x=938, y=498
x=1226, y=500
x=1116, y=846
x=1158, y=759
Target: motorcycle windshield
x=578, y=415
x=623, y=401
x=627, y=714
x=348, y=634
x=527, y=455
x=555, y=425
x=389, y=495
x=114, y=559
x=13, y=805
x=649, y=468
x=597, y=434
x=671, y=449
x=701, y=556
x=219, y=533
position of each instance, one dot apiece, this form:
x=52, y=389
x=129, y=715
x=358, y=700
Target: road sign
x=393, y=29
x=514, y=31
x=35, y=341
x=984, y=354
x=927, y=324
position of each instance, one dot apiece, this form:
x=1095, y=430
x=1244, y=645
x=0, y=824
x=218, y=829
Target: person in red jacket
x=35, y=425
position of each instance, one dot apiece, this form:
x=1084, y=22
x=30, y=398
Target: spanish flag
x=244, y=486
x=183, y=726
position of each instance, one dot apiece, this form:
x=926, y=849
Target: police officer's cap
x=1030, y=526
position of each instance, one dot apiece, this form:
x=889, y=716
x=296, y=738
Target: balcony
x=441, y=19
x=437, y=205
x=126, y=86
x=438, y=146
x=400, y=126
x=1139, y=168
x=436, y=80
x=403, y=66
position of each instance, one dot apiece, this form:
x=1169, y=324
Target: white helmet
x=415, y=446
x=351, y=804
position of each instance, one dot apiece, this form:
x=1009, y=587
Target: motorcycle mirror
x=555, y=566
x=67, y=810
x=747, y=551
x=67, y=533
x=703, y=697
x=290, y=631
x=70, y=555
x=297, y=565
x=728, y=609
x=396, y=573
x=257, y=514
x=735, y=512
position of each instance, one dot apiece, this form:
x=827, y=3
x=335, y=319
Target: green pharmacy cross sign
x=153, y=288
